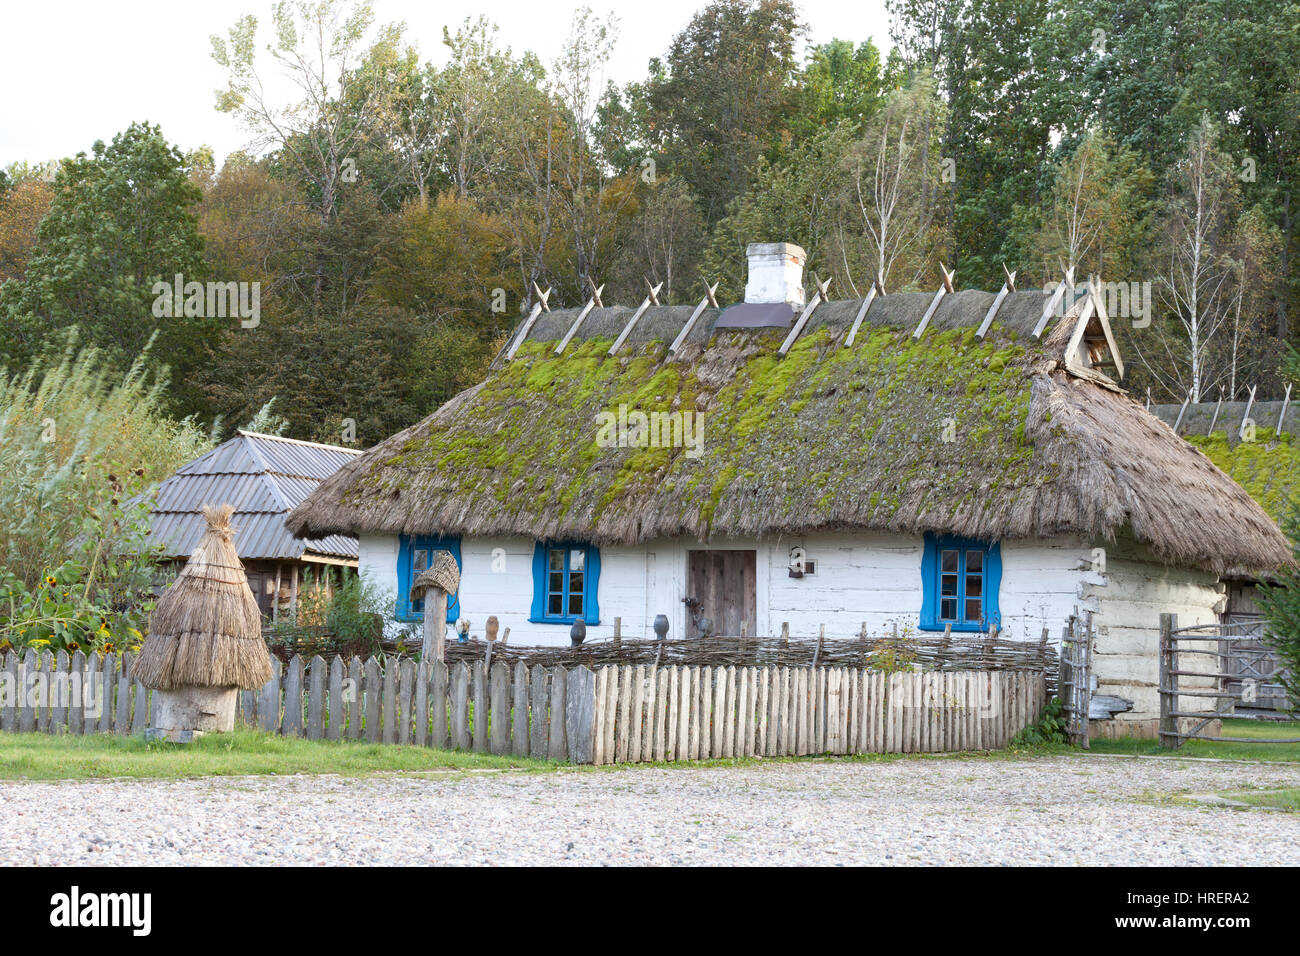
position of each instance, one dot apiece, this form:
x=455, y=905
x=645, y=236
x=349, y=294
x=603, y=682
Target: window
x=960, y=582
x=413, y=556
x=565, y=581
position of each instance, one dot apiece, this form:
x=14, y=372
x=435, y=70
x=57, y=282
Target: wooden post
x=1007, y=287
x=818, y=298
x=435, y=626
x=1168, y=682
x=877, y=288
x=618, y=632
x=538, y=306
x=649, y=300
x=699, y=310
x=293, y=594
x=1067, y=282
x=275, y=602
x=934, y=303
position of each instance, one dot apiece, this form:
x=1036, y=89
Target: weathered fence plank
x=636, y=714
x=460, y=739
x=622, y=736
x=405, y=699
x=337, y=709
x=557, y=743
x=519, y=740
x=388, y=719
x=316, y=698
x=356, y=701
x=539, y=730
x=91, y=695
x=293, y=698
x=478, y=680
x=580, y=714
x=499, y=704
x=439, y=686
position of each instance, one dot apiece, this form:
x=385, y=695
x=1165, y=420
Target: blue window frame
x=566, y=581
x=960, y=580
x=413, y=556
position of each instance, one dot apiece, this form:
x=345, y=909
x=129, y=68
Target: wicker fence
x=612, y=714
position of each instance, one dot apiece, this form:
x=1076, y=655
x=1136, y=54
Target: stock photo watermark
x=637, y=429
x=208, y=300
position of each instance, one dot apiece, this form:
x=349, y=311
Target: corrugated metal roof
x=264, y=477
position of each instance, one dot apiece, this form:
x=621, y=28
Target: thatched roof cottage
x=961, y=459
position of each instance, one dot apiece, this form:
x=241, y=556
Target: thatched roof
x=991, y=438
x=1268, y=466
x=206, y=630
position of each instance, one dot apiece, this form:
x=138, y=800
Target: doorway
x=724, y=583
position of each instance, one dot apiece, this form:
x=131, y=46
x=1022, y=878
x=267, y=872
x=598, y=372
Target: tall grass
x=72, y=442
x=76, y=446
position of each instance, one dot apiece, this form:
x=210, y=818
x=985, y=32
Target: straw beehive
x=205, y=638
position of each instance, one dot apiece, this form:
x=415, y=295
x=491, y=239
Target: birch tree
x=333, y=104
x=892, y=224
x=1199, y=278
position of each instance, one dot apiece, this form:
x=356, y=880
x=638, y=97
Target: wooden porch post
x=275, y=603
x=293, y=593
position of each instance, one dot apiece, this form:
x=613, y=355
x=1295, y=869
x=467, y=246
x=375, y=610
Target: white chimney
x=775, y=273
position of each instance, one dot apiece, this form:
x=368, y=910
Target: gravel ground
x=1058, y=810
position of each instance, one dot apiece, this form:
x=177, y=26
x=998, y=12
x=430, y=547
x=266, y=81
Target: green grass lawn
x=97, y=756
x=1288, y=800
x=1255, y=730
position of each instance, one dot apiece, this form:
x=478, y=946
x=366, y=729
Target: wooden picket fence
x=614, y=714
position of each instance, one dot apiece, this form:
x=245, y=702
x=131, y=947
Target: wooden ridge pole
x=1067, y=282
x=593, y=302
x=818, y=298
x=538, y=306
x=877, y=288
x=705, y=303
x=934, y=303
x=651, y=299
x=1008, y=287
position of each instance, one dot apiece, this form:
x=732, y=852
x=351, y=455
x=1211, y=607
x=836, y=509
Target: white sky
x=74, y=71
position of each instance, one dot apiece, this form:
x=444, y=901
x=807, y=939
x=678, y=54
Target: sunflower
x=49, y=579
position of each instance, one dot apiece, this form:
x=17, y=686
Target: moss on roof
x=1268, y=467
x=991, y=438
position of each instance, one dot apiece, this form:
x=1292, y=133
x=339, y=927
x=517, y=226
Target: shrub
x=346, y=622
x=1049, y=730
x=79, y=453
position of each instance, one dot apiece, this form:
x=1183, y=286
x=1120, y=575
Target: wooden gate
x=1201, y=682
x=1076, y=677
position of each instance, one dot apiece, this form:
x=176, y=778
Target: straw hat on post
x=205, y=639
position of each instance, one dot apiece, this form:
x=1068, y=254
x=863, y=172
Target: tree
x=1097, y=217
x=319, y=48
x=723, y=96
x=442, y=262
x=120, y=220
x=890, y=212
x=22, y=206
x=1281, y=607
x=792, y=200
x=1198, y=274
x=663, y=243
x=841, y=82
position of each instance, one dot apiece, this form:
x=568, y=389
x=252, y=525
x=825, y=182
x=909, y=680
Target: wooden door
x=724, y=582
